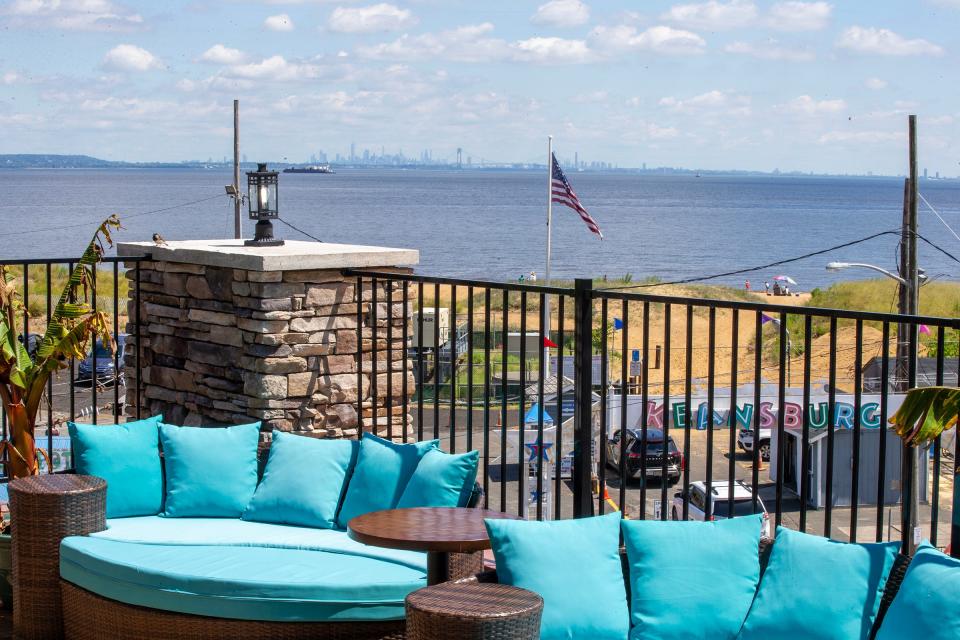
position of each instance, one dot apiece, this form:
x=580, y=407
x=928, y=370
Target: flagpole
x=546, y=298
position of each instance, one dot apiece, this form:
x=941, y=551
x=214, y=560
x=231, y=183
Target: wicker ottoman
x=473, y=611
x=43, y=511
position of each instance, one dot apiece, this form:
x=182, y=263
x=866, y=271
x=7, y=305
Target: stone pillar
x=230, y=334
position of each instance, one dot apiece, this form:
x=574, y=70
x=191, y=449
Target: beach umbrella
x=786, y=279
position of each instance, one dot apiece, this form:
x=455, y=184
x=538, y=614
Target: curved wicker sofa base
x=87, y=616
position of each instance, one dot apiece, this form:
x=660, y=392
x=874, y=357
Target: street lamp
x=909, y=305
x=262, y=201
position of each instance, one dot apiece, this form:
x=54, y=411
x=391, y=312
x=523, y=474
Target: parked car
x=634, y=464
x=105, y=362
x=718, y=505
x=745, y=442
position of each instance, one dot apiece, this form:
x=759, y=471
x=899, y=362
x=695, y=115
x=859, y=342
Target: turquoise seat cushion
x=246, y=583
x=819, y=589
x=211, y=471
x=441, y=480
x=127, y=456
x=691, y=579
x=304, y=481
x=926, y=604
x=382, y=472
x=244, y=533
x=575, y=567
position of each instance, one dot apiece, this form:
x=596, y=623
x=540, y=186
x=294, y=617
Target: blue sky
x=748, y=84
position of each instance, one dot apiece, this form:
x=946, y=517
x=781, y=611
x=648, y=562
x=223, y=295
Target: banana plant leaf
x=926, y=413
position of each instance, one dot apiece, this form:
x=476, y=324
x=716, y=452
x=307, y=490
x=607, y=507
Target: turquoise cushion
x=127, y=456
x=441, y=480
x=211, y=471
x=303, y=481
x=691, y=579
x=575, y=567
x=382, y=472
x=819, y=589
x=234, y=532
x=241, y=582
x=926, y=604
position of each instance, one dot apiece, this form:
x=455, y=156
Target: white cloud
x=875, y=83
x=659, y=39
x=860, y=137
x=553, y=51
x=128, y=57
x=591, y=97
x=275, y=68
x=219, y=54
x=377, y=17
x=872, y=40
x=711, y=101
x=72, y=15
x=469, y=43
x=562, y=13
x=770, y=50
x=799, y=16
x=808, y=106
x=713, y=15
x=10, y=77
x=279, y=22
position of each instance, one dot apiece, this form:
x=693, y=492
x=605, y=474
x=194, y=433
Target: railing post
x=583, y=398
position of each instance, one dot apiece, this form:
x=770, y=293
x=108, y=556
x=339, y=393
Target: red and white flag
x=562, y=193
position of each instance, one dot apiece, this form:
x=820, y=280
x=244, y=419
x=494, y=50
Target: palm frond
x=926, y=413
x=84, y=272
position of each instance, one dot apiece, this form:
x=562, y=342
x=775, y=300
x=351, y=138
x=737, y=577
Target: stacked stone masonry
x=228, y=346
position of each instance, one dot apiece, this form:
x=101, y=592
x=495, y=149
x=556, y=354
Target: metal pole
x=544, y=351
x=583, y=393
x=237, y=229
x=911, y=455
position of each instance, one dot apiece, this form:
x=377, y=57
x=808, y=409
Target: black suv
x=652, y=461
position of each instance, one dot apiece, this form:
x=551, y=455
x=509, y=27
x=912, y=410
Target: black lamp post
x=262, y=199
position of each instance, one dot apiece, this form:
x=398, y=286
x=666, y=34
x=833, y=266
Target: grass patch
x=36, y=301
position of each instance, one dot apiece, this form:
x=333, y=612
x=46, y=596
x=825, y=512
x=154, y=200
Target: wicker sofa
x=155, y=578
x=892, y=585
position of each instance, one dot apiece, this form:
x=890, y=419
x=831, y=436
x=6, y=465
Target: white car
x=699, y=505
x=745, y=442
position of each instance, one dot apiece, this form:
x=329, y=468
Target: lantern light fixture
x=262, y=197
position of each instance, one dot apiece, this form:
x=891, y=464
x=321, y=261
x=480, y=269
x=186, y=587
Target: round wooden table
x=438, y=531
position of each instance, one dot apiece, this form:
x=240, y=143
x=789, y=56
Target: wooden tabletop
x=452, y=530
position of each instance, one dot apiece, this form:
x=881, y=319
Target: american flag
x=563, y=194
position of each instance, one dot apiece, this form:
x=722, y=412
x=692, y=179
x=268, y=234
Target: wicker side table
x=473, y=611
x=43, y=511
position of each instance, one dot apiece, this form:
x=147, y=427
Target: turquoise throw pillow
x=819, y=589
x=441, y=480
x=691, y=579
x=382, y=472
x=926, y=604
x=303, y=482
x=127, y=456
x=575, y=567
x=211, y=471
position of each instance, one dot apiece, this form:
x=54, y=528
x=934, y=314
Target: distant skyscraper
x=576, y=159
x=924, y=173
x=353, y=152
x=244, y=158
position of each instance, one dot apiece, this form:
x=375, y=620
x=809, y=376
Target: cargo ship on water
x=313, y=168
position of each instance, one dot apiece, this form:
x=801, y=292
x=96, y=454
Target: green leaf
x=926, y=413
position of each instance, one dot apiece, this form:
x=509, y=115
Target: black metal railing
x=749, y=406
x=69, y=395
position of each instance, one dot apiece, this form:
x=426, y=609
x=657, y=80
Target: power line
x=299, y=230
x=125, y=217
x=940, y=249
x=761, y=267
x=936, y=213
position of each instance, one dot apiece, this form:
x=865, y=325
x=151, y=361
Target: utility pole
x=237, y=199
x=910, y=459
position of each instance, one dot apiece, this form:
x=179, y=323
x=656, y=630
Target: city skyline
x=796, y=86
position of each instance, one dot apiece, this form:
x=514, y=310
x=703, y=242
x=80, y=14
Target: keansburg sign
x=818, y=412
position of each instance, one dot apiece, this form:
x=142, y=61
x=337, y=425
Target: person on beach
x=766, y=285
x=746, y=285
